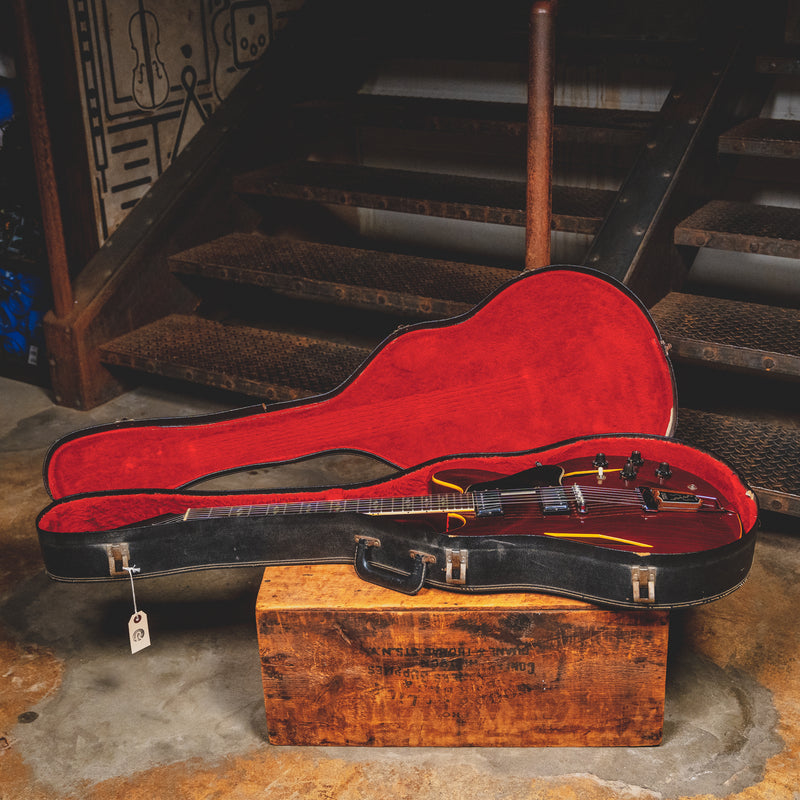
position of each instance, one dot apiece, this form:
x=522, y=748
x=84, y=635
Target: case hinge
x=119, y=556
x=644, y=584
x=456, y=560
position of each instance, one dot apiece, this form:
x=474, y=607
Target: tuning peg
x=630, y=470
x=600, y=460
x=663, y=470
x=636, y=458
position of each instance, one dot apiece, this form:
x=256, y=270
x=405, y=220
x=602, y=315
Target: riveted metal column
x=540, y=133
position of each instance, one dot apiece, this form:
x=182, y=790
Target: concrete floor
x=81, y=717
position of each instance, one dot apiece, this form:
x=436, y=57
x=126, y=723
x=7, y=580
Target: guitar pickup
x=556, y=502
x=488, y=504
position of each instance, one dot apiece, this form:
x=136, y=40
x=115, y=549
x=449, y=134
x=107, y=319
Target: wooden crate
x=348, y=663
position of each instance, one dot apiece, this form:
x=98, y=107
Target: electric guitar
x=624, y=503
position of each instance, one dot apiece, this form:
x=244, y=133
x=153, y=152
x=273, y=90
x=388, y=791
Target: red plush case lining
x=556, y=353
x=104, y=512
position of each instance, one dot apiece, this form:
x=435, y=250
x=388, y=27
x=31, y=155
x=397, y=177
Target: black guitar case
x=557, y=367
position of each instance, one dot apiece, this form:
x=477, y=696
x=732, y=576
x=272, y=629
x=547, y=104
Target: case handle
x=407, y=584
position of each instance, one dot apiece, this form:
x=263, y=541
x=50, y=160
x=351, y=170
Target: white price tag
x=138, y=632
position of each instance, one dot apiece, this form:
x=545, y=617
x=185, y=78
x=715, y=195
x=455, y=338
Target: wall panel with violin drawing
x=150, y=75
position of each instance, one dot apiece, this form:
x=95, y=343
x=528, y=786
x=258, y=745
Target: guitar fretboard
x=380, y=506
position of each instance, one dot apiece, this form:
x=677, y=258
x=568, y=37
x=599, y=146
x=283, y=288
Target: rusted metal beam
x=541, y=80
x=43, y=160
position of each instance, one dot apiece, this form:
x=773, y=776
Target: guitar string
x=440, y=502
x=424, y=504
x=418, y=503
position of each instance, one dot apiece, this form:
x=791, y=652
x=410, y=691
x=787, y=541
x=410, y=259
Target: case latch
x=456, y=560
x=119, y=556
x=644, y=584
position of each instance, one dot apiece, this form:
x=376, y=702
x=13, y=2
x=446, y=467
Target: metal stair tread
x=498, y=37
x=344, y=275
x=781, y=61
x=575, y=209
x=271, y=365
x=760, y=136
x=767, y=455
x=734, y=333
x=443, y=115
x=743, y=227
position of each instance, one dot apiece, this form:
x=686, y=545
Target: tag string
x=130, y=571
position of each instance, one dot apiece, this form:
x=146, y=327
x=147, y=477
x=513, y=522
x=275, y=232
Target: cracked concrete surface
x=81, y=717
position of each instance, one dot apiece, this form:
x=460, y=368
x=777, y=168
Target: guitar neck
x=545, y=501
x=373, y=506
x=553, y=499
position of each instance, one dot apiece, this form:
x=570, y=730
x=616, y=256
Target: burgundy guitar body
x=556, y=367
x=645, y=514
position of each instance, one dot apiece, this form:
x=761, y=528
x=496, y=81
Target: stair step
x=744, y=228
x=767, y=455
x=773, y=138
x=731, y=333
x=452, y=34
x=778, y=64
x=578, y=210
x=270, y=365
x=601, y=125
x=570, y=124
x=424, y=287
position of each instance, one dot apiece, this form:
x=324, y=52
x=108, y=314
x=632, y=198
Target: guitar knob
x=630, y=470
x=600, y=460
x=636, y=458
x=663, y=470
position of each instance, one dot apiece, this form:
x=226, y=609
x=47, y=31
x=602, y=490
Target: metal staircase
x=738, y=339
x=387, y=208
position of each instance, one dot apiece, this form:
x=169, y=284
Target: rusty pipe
x=539, y=195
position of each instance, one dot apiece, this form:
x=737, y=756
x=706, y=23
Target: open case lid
x=554, y=354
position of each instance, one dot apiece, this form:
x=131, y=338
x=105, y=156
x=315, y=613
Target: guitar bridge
x=662, y=500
